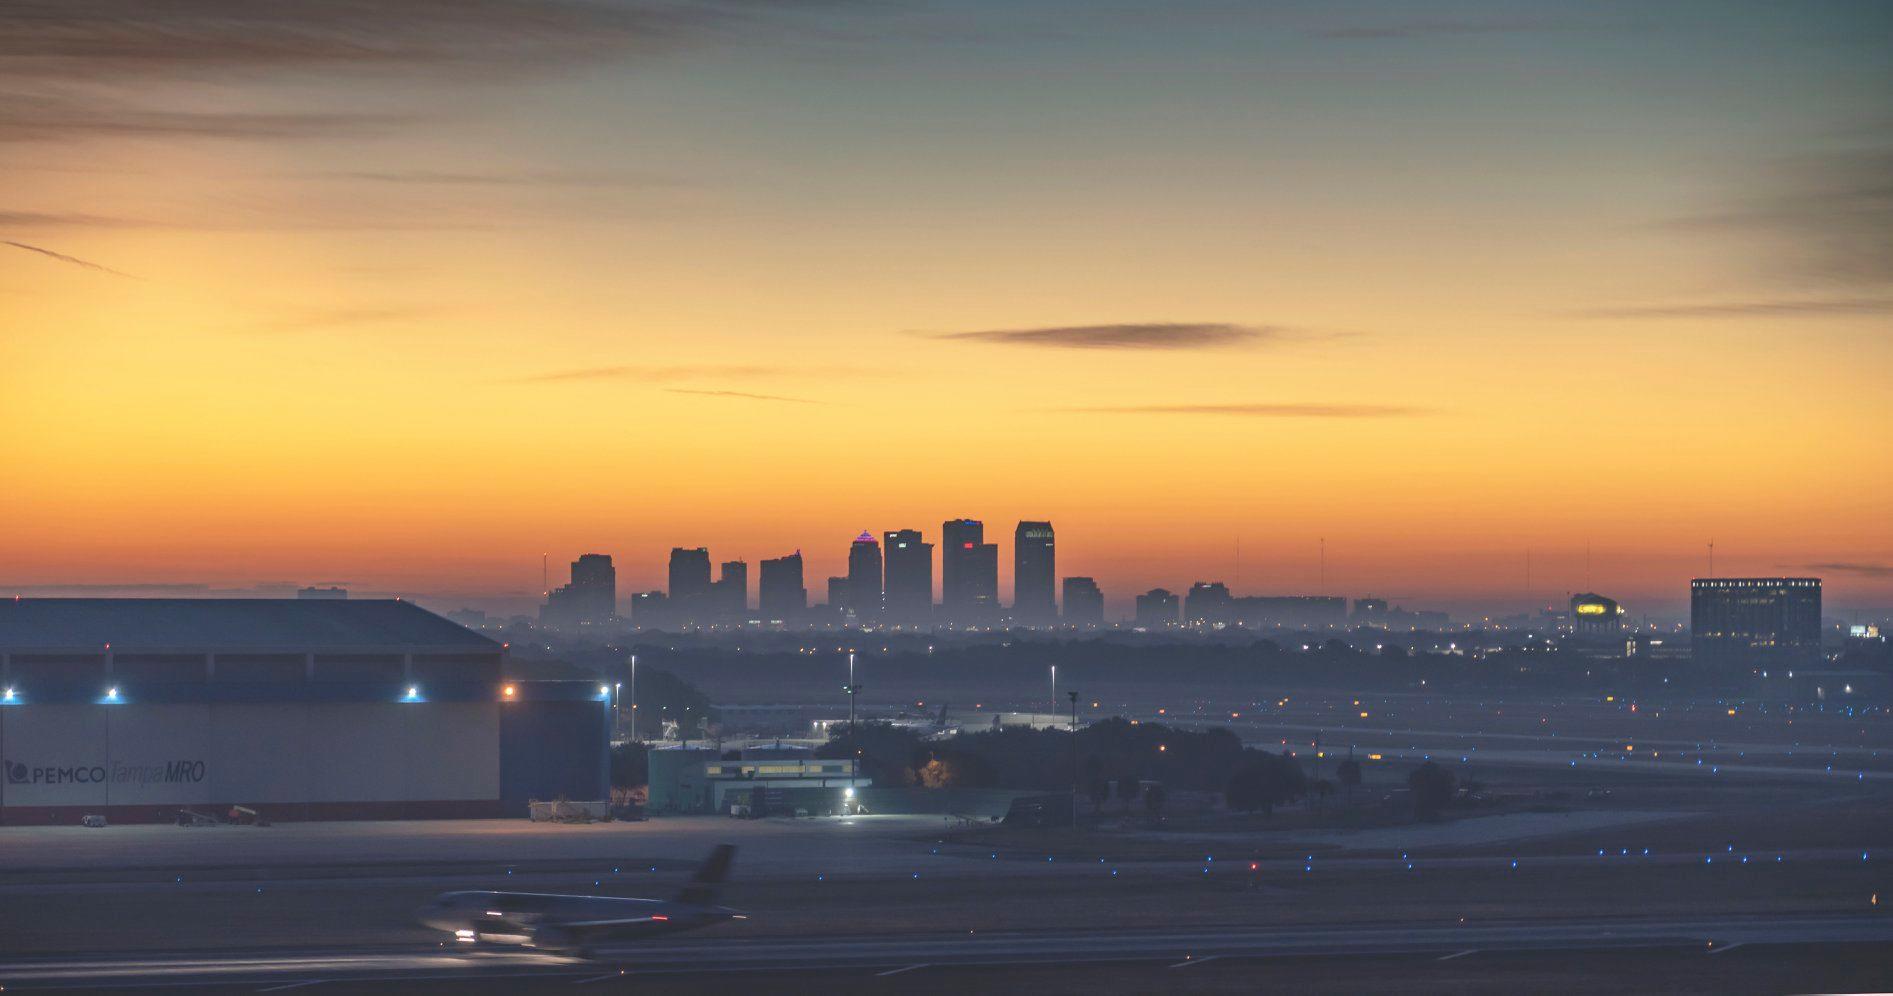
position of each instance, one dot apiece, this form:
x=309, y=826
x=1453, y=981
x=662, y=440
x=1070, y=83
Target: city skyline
x=411, y=306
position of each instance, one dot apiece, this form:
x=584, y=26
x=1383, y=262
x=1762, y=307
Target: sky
x=1390, y=297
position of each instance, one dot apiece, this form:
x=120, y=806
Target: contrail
x=62, y=257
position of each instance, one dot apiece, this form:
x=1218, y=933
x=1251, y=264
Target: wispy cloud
x=192, y=37
x=63, y=258
x=671, y=373
x=1141, y=335
x=648, y=374
x=1844, y=567
x=64, y=219
x=318, y=319
x=514, y=178
x=1260, y=410
x=28, y=118
x=1428, y=28
x=111, y=51
x=744, y=395
x=1825, y=218
x=1748, y=309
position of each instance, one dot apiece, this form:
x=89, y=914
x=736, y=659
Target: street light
x=1074, y=755
x=854, y=738
x=1054, y=686
x=634, y=697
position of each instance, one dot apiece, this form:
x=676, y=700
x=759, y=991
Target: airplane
x=574, y=924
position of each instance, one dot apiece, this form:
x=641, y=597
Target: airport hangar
x=137, y=708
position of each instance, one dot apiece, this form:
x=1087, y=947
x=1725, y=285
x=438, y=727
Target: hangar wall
x=322, y=756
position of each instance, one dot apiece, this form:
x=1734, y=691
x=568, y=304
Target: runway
x=880, y=955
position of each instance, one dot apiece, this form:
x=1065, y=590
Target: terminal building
x=135, y=709
x=1747, y=622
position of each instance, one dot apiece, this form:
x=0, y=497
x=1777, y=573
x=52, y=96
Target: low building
x=764, y=782
x=300, y=709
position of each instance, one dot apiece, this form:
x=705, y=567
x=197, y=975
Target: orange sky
x=425, y=325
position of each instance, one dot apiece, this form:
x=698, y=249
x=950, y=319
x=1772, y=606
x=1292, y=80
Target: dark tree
x=1099, y=790
x=1267, y=781
x=1349, y=774
x=1432, y=788
x=1129, y=787
x=1154, y=799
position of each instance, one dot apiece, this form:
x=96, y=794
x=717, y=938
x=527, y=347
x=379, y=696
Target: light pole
x=617, y=707
x=1074, y=755
x=1054, y=686
x=854, y=737
x=634, y=697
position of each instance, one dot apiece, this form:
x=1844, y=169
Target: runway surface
x=727, y=951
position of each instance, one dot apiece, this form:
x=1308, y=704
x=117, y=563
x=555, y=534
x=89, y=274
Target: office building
x=591, y=599
x=732, y=591
x=301, y=709
x=969, y=573
x=1208, y=603
x=689, y=572
x=689, y=592
x=1084, y=603
x=1157, y=609
x=1742, y=622
x=1034, y=574
x=1289, y=611
x=780, y=593
x=909, y=589
x=865, y=587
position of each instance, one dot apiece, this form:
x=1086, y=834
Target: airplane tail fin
x=703, y=886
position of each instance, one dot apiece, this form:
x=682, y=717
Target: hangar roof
x=308, y=625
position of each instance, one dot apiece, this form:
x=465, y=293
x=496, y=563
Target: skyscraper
x=591, y=599
x=689, y=572
x=865, y=588
x=731, y=591
x=690, y=585
x=969, y=573
x=1084, y=603
x=780, y=592
x=1737, y=622
x=1034, y=575
x=1208, y=603
x=909, y=587
x=1157, y=609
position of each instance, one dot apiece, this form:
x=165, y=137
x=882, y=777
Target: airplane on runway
x=576, y=923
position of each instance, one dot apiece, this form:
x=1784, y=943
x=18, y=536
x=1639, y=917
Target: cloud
x=744, y=395
x=74, y=68
x=647, y=373
x=332, y=318
x=448, y=178
x=63, y=219
x=1825, y=217
x=63, y=258
x=1282, y=410
x=684, y=371
x=100, y=38
x=1430, y=28
x=29, y=118
x=1149, y=335
x=1749, y=309
x=1864, y=570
